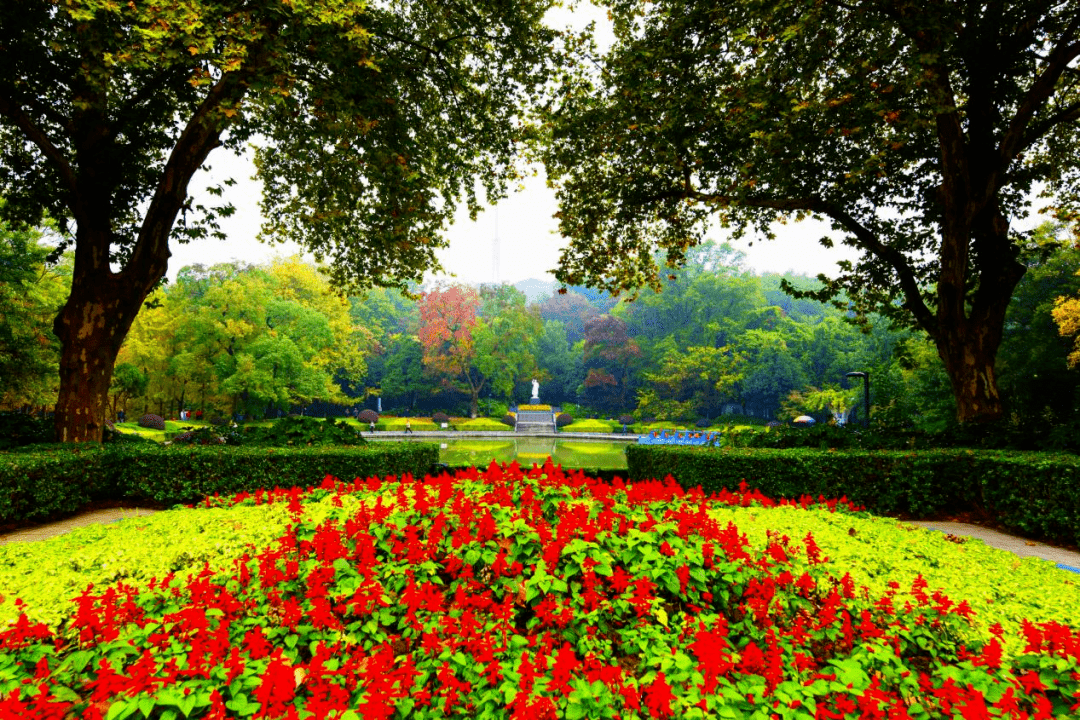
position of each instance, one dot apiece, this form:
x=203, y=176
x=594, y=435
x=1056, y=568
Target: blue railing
x=679, y=437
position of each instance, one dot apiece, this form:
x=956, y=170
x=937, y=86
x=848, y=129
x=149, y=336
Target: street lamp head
x=855, y=374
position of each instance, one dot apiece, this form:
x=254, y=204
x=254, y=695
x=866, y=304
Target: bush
x=217, y=420
x=58, y=479
x=493, y=408
x=304, y=431
x=1033, y=493
x=17, y=429
x=209, y=436
x=703, y=423
x=439, y=418
x=151, y=421
x=626, y=419
x=368, y=416
x=510, y=420
x=594, y=426
x=563, y=419
x=481, y=424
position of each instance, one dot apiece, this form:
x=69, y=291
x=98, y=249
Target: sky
x=528, y=239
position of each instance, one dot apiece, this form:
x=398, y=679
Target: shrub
x=55, y=480
x=304, y=431
x=217, y=420
x=572, y=409
x=209, y=436
x=509, y=419
x=482, y=424
x=493, y=408
x=703, y=423
x=152, y=422
x=439, y=418
x=563, y=419
x=368, y=416
x=626, y=419
x=20, y=429
x=594, y=426
x=1034, y=493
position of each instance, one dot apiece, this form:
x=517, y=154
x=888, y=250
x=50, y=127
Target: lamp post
x=866, y=391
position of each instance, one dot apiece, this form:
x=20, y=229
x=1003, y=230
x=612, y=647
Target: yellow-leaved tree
x=1066, y=314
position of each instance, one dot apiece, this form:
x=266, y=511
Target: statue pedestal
x=534, y=400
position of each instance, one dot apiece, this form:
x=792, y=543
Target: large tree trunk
x=91, y=327
x=969, y=361
x=970, y=326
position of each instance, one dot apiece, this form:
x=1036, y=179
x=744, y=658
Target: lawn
x=542, y=594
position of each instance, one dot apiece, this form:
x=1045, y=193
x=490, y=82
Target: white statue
x=536, y=388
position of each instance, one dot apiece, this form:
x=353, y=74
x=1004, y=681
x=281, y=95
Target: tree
x=1033, y=365
x=562, y=369
x=572, y=309
x=30, y=292
x=919, y=130
x=448, y=320
x=403, y=378
x=477, y=342
x=506, y=338
x=772, y=371
x=374, y=121
x=128, y=382
x=247, y=339
x=611, y=359
x=706, y=302
x=1066, y=314
x=691, y=384
x=837, y=401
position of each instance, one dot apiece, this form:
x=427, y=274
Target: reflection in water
x=529, y=450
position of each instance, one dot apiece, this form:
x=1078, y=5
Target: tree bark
x=91, y=328
x=970, y=365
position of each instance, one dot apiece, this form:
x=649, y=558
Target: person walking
x=408, y=426
x=371, y=427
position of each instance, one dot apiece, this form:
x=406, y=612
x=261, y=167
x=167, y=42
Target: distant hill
x=536, y=290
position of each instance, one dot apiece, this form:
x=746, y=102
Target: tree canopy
x=920, y=131
x=372, y=121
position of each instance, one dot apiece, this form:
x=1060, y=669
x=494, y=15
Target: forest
x=718, y=342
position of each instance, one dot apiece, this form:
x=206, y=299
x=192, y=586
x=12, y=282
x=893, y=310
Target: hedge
x=63, y=479
x=1037, y=494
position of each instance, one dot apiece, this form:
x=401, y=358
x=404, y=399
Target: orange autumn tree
x=478, y=341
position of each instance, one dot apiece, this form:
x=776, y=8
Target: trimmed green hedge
x=1035, y=493
x=62, y=479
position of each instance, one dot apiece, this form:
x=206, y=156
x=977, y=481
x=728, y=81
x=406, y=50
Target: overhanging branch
x=14, y=112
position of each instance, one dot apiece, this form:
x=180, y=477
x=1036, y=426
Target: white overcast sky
x=528, y=239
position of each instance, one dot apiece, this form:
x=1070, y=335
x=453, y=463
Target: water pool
x=569, y=453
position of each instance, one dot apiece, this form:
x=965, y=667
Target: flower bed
x=510, y=594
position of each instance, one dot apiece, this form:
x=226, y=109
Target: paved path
x=1065, y=559
x=89, y=517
